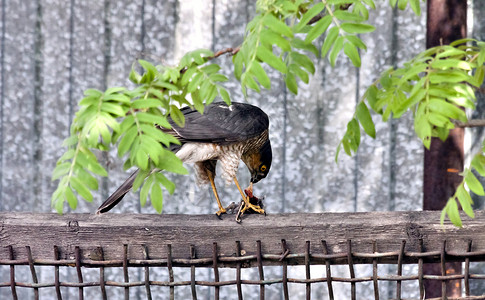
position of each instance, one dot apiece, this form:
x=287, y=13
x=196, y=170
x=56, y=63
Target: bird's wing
x=222, y=124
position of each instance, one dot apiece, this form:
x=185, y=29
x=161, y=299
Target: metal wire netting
x=146, y=283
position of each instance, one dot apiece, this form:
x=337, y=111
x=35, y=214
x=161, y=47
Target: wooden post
x=446, y=23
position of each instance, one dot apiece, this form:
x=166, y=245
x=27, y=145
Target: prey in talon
x=253, y=205
x=257, y=202
x=224, y=134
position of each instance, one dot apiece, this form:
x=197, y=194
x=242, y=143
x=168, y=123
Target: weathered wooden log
x=101, y=239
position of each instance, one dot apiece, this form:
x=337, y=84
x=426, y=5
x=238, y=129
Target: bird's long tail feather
x=118, y=195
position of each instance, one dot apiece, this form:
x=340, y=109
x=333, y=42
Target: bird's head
x=259, y=162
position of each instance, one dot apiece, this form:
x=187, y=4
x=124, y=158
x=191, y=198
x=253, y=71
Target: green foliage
x=462, y=194
x=284, y=33
x=129, y=119
x=435, y=86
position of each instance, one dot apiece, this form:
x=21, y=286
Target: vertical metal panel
x=18, y=105
x=475, y=136
x=92, y=44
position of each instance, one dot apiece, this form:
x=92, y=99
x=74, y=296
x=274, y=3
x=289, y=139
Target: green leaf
x=163, y=85
x=156, y=197
x=303, y=61
x=87, y=179
x=277, y=25
x=453, y=213
x=112, y=109
x=447, y=109
x=141, y=159
x=87, y=101
x=140, y=177
x=153, y=119
x=443, y=215
x=451, y=63
x=365, y=119
x=478, y=163
x=247, y=80
x=370, y=3
x=195, y=82
x=339, y=43
x=308, y=15
x=145, y=189
x=344, y=15
x=352, y=53
x=210, y=69
x=357, y=42
x=169, y=185
x=441, y=133
x=93, y=93
x=300, y=44
x=439, y=120
x=422, y=127
x=318, y=28
x=150, y=71
x=357, y=28
x=70, y=141
x=127, y=141
x=371, y=96
x=401, y=4
x=188, y=74
x=71, y=198
x=346, y=144
x=297, y=71
x=479, y=74
x=474, y=184
x=337, y=152
x=177, y=116
x=268, y=57
x=260, y=74
x=329, y=40
x=237, y=60
x=81, y=189
x=291, y=83
x=146, y=103
x=172, y=163
x=481, y=54
x=61, y=169
x=269, y=38
x=353, y=130
x=465, y=200
x=446, y=51
x=59, y=205
x=216, y=77
x=224, y=95
x=134, y=76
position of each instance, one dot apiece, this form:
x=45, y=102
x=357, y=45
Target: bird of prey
x=222, y=133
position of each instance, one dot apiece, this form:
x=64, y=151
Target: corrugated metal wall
x=52, y=50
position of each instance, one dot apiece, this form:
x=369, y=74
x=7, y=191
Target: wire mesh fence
x=361, y=267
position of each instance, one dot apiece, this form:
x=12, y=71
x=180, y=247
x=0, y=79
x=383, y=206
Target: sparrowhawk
x=222, y=133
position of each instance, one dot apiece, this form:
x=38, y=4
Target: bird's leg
x=221, y=210
x=247, y=203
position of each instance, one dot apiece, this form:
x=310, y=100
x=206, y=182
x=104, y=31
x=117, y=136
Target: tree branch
x=470, y=123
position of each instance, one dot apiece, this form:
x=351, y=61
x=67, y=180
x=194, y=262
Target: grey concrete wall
x=52, y=50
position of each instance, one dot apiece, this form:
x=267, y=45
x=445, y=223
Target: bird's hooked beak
x=256, y=177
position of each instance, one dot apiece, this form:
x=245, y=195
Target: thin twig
x=470, y=123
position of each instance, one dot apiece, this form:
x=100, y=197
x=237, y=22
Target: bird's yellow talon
x=248, y=205
x=220, y=212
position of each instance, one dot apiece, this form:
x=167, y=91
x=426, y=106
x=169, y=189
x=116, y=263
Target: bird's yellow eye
x=263, y=168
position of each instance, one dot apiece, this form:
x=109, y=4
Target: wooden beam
x=112, y=231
